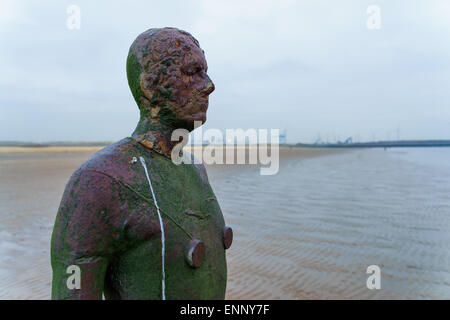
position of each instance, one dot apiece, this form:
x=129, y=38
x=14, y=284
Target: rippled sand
x=308, y=232
x=311, y=231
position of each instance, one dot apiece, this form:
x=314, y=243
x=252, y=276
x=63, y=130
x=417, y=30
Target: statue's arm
x=83, y=238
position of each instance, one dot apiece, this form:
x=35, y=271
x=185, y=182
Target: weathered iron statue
x=133, y=223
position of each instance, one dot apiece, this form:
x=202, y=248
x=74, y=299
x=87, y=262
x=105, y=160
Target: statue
x=134, y=224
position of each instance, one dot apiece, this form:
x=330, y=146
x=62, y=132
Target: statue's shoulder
x=95, y=183
x=113, y=160
x=93, y=191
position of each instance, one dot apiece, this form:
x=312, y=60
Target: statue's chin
x=194, y=121
x=199, y=116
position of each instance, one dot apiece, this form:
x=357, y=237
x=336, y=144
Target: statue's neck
x=154, y=136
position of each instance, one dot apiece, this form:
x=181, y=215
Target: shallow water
x=312, y=230
x=308, y=232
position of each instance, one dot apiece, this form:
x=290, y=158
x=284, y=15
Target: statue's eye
x=192, y=70
x=197, y=69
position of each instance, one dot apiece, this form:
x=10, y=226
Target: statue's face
x=178, y=87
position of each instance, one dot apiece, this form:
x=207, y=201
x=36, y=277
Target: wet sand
x=308, y=232
x=311, y=231
x=49, y=149
x=31, y=184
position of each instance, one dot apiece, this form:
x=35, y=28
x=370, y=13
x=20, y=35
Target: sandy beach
x=31, y=184
x=308, y=232
x=49, y=149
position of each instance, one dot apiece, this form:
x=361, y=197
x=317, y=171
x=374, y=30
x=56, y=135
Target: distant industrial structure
x=283, y=134
x=379, y=144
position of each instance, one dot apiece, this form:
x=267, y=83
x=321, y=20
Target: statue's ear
x=149, y=85
x=144, y=102
x=149, y=81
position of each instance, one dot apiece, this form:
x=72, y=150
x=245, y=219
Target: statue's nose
x=209, y=86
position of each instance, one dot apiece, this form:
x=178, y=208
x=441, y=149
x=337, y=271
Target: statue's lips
x=199, y=104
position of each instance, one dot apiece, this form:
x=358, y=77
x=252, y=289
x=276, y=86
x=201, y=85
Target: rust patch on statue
x=147, y=144
x=154, y=112
x=194, y=214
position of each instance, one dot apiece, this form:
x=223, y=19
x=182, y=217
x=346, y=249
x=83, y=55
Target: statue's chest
x=188, y=207
x=188, y=247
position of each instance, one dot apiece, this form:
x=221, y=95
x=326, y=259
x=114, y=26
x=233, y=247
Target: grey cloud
x=311, y=67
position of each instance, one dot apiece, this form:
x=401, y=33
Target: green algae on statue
x=137, y=225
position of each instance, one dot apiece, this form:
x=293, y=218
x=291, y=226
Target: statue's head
x=166, y=70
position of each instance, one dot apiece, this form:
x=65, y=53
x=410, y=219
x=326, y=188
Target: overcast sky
x=310, y=67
